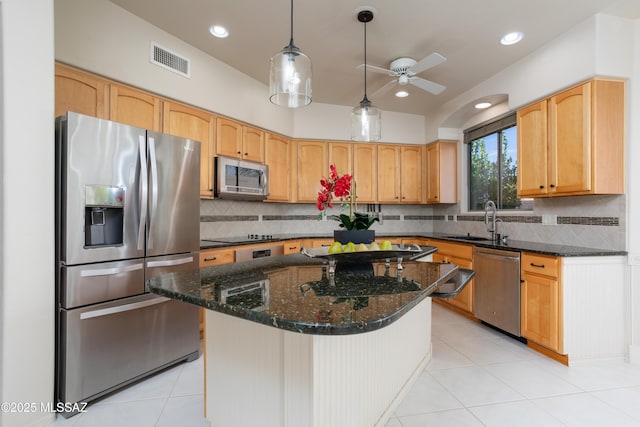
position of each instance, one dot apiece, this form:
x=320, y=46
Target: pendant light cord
x=365, y=61
x=291, y=38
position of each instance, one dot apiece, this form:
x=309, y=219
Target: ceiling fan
x=405, y=69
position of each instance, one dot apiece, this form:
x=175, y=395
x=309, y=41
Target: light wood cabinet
x=311, y=166
x=442, y=172
x=188, y=122
x=573, y=142
x=291, y=247
x=461, y=255
x=365, y=171
x=388, y=173
x=411, y=173
x=277, y=156
x=240, y=141
x=541, y=300
x=400, y=174
x=135, y=108
x=211, y=257
x=341, y=155
x=81, y=93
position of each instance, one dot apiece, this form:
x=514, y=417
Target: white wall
x=98, y=36
x=26, y=197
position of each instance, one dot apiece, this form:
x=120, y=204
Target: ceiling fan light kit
x=365, y=117
x=290, y=76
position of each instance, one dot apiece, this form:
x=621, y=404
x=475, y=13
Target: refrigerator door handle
x=170, y=263
x=144, y=185
x=111, y=271
x=154, y=187
x=122, y=308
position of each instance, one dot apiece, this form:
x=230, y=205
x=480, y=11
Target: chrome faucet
x=493, y=230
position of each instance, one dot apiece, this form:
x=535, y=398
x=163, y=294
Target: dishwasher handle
x=501, y=257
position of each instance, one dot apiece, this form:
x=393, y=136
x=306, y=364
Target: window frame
x=493, y=126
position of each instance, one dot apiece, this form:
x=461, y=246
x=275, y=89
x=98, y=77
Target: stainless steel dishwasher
x=496, y=298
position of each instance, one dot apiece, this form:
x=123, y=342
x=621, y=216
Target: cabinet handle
x=210, y=259
x=537, y=265
x=292, y=248
x=552, y=186
x=541, y=187
x=238, y=152
x=246, y=154
x=521, y=281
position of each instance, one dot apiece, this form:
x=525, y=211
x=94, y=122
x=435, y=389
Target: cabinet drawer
x=210, y=258
x=291, y=247
x=459, y=250
x=540, y=264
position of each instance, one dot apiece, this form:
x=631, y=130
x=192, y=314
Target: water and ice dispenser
x=103, y=215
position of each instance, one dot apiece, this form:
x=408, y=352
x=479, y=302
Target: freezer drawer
x=96, y=283
x=106, y=346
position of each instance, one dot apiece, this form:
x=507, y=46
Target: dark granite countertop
x=297, y=293
x=517, y=245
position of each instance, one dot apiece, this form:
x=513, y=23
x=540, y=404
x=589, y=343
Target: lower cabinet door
x=539, y=310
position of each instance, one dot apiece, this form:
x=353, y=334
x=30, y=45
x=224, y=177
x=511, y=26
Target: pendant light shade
x=290, y=76
x=366, y=118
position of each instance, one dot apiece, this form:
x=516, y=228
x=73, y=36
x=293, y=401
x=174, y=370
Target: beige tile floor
x=478, y=377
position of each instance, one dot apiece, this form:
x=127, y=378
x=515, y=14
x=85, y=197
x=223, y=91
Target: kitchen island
x=290, y=343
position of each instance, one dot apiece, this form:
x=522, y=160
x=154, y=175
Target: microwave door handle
x=154, y=188
x=143, y=187
x=265, y=179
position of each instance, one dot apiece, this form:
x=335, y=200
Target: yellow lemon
x=335, y=248
x=362, y=247
x=349, y=247
x=386, y=245
x=374, y=246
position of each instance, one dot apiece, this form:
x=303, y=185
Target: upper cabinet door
x=277, y=156
x=570, y=140
x=532, y=150
x=188, y=122
x=411, y=174
x=341, y=155
x=311, y=167
x=228, y=138
x=365, y=171
x=253, y=144
x=388, y=174
x=135, y=108
x=81, y=93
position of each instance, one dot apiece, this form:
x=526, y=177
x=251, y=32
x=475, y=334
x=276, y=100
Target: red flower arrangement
x=339, y=187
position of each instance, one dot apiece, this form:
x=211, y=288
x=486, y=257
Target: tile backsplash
x=591, y=221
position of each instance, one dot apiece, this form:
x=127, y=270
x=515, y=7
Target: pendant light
x=365, y=117
x=290, y=76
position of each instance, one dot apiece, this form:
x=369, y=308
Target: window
x=493, y=165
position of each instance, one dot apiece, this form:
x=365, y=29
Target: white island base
x=258, y=375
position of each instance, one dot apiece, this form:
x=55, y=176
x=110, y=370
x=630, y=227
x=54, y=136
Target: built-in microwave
x=240, y=179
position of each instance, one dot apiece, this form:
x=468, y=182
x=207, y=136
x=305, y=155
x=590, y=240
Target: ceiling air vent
x=169, y=60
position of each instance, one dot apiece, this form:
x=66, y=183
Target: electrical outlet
x=549, y=219
x=455, y=218
x=634, y=259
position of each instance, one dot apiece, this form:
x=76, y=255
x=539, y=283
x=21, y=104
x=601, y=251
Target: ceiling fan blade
x=427, y=85
x=428, y=62
x=384, y=89
x=375, y=69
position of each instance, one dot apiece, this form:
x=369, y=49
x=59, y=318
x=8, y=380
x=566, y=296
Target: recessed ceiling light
x=219, y=31
x=511, y=38
x=402, y=93
x=482, y=105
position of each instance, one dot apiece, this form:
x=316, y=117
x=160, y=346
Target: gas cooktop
x=249, y=238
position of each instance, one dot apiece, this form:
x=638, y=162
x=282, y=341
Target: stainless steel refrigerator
x=127, y=209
